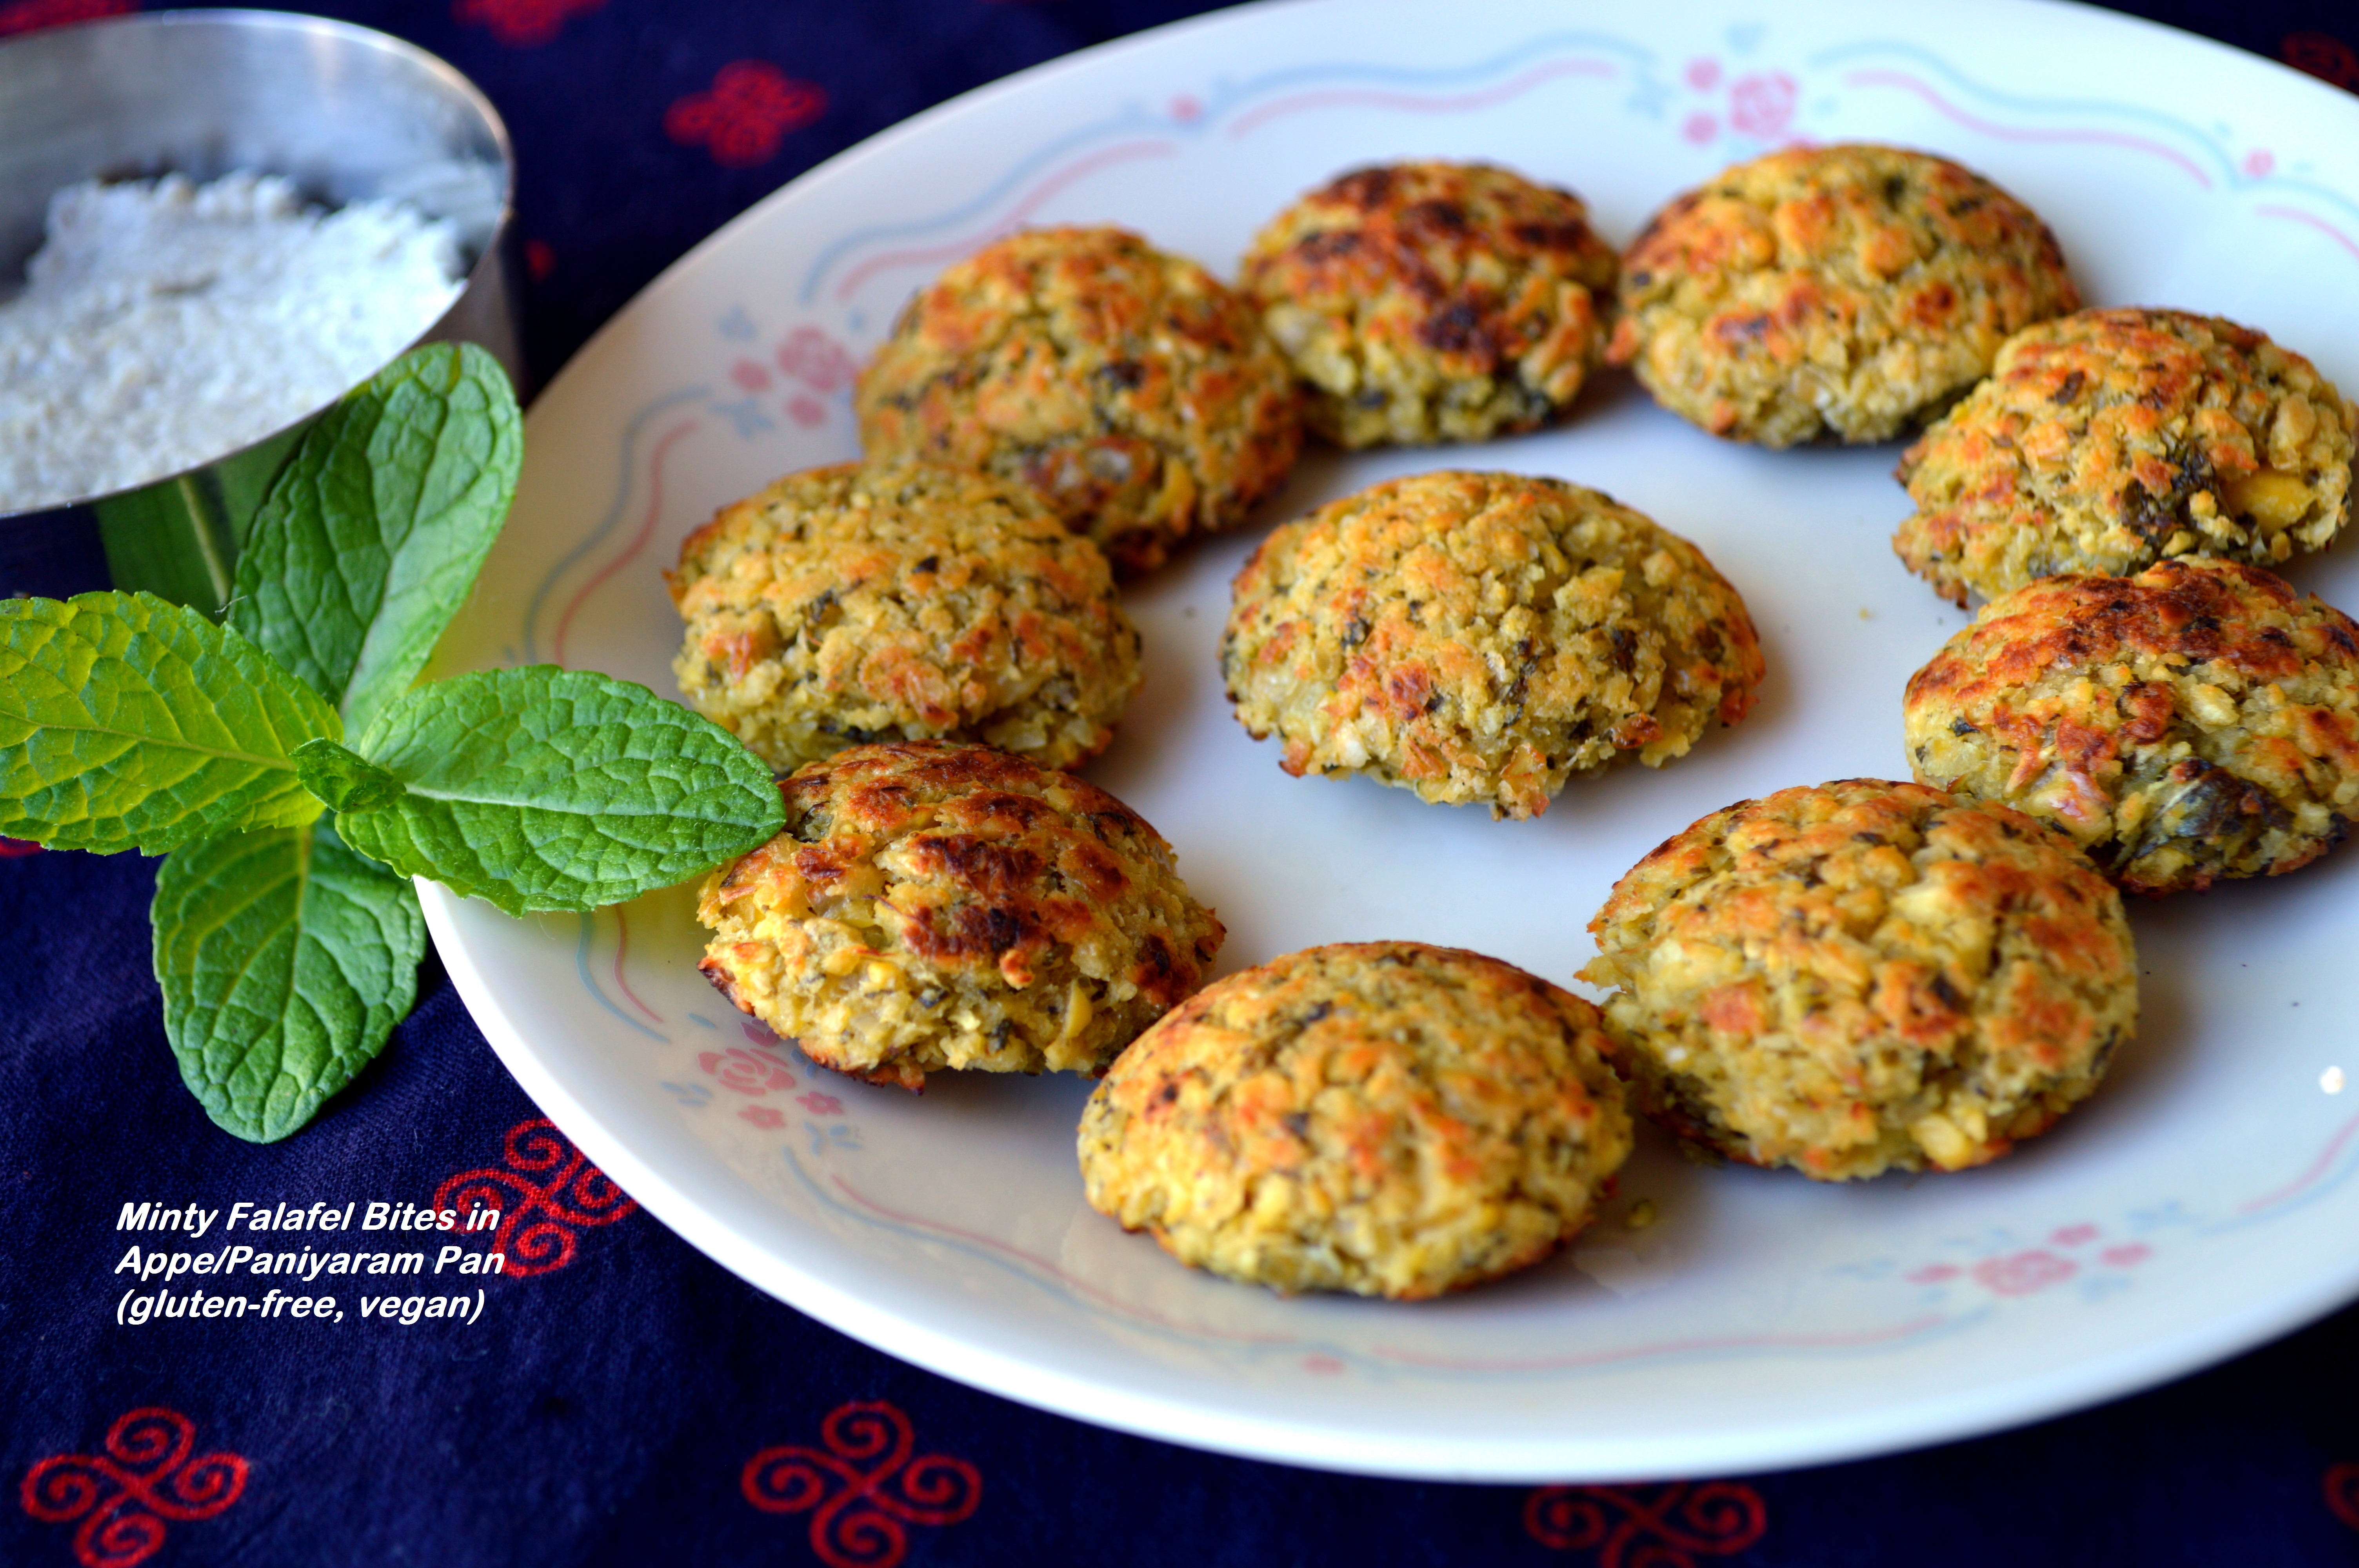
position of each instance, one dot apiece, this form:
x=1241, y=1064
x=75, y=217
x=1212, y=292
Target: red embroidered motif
x=538, y=1220
x=143, y=1477
x=32, y=16
x=752, y=106
x=1628, y=1528
x=522, y=24
x=862, y=1510
x=2322, y=55
x=2343, y=1493
x=11, y=848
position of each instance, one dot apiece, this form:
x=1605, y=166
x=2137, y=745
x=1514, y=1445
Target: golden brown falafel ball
x=1859, y=977
x=1428, y=302
x=935, y=905
x=1382, y=1117
x=2198, y=720
x=866, y=602
x=1480, y=637
x=2112, y=439
x=1129, y=386
x=1849, y=291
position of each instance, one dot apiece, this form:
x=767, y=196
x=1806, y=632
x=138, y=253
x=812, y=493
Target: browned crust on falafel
x=1848, y=291
x=936, y=904
x=1431, y=301
x=1386, y=1117
x=1864, y=976
x=2199, y=720
x=2110, y=439
x=1129, y=386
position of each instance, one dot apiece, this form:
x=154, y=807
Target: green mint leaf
x=343, y=778
x=544, y=788
x=127, y=723
x=286, y=960
x=371, y=537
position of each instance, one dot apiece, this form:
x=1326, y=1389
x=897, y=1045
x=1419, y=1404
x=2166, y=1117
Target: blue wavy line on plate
x=2230, y=172
x=1048, y=1285
x=1223, y=98
x=582, y=967
x=606, y=523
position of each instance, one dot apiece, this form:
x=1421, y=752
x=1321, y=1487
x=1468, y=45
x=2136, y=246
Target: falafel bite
x=1131, y=388
x=1862, y=976
x=2111, y=440
x=935, y=905
x=1481, y=638
x=870, y=601
x=2196, y=721
x=1847, y=291
x=1430, y=301
x=1384, y=1117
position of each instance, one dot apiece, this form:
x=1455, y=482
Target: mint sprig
x=367, y=545
x=545, y=788
x=128, y=723
x=284, y=960
x=288, y=950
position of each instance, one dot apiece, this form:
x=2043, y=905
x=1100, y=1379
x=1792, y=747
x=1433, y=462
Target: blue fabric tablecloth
x=627, y=1401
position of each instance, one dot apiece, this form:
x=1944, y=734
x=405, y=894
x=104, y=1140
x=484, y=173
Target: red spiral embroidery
x=752, y=106
x=1629, y=1528
x=125, y=1494
x=2343, y=1492
x=538, y=1220
x=862, y=1509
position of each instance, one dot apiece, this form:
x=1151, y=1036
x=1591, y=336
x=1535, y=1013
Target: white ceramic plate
x=2201, y=1203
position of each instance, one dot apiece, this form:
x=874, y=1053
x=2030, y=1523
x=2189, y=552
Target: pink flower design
x=767, y=1115
x=1703, y=74
x=750, y=376
x=1932, y=1274
x=752, y=106
x=2023, y=1273
x=1700, y=128
x=2259, y=162
x=805, y=411
x=2124, y=1256
x=821, y=1105
x=816, y=359
x=746, y=1072
x=1762, y=105
x=2074, y=1234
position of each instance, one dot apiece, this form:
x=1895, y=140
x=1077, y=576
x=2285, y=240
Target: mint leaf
x=544, y=788
x=343, y=778
x=126, y=722
x=371, y=537
x=286, y=960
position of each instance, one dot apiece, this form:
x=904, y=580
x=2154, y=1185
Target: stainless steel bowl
x=347, y=114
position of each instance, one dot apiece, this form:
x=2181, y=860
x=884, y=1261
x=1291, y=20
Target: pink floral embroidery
x=746, y=1072
x=2022, y=1273
x=522, y=24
